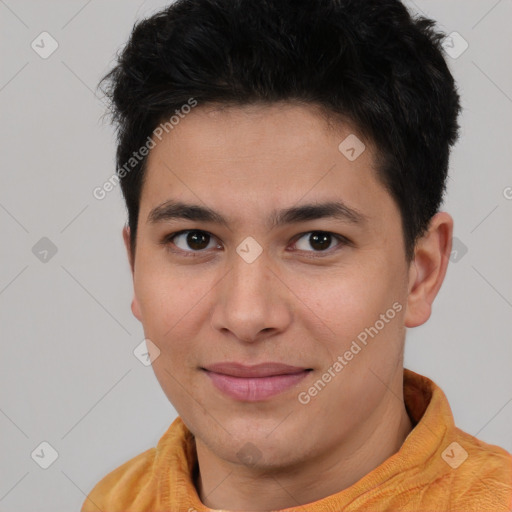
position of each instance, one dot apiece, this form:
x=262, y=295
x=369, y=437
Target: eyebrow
x=171, y=209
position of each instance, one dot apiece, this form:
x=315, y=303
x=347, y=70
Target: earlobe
x=428, y=269
x=136, y=308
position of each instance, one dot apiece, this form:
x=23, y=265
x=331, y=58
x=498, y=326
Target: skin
x=287, y=306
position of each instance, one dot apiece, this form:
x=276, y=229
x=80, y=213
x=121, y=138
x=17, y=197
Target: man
x=283, y=165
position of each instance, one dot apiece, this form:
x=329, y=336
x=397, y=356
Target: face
x=307, y=303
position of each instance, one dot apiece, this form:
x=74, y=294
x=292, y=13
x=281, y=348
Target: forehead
x=279, y=128
x=252, y=157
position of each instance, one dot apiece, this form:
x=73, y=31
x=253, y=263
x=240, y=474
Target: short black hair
x=368, y=61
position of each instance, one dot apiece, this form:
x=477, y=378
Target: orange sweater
x=438, y=468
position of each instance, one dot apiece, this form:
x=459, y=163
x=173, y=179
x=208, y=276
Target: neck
x=223, y=485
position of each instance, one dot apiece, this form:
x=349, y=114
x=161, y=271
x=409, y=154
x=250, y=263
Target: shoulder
x=489, y=459
x=135, y=486
x=123, y=487
x=484, y=477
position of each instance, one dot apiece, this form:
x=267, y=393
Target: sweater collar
x=432, y=420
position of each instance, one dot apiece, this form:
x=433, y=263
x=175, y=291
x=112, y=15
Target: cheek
x=169, y=308
x=173, y=310
x=364, y=313
x=351, y=298
x=164, y=296
x=366, y=304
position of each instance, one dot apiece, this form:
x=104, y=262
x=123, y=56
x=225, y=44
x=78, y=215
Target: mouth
x=254, y=383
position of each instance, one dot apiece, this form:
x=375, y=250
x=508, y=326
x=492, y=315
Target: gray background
x=68, y=375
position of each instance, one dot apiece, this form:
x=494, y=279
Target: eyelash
x=167, y=240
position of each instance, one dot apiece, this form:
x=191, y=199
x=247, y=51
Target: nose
x=251, y=301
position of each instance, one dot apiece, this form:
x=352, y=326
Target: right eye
x=197, y=240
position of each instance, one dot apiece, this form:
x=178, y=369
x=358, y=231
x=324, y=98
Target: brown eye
x=191, y=240
x=197, y=240
x=318, y=240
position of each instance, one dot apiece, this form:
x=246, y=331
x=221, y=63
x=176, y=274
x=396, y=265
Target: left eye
x=319, y=240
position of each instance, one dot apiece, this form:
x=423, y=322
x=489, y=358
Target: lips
x=258, y=370
x=254, y=383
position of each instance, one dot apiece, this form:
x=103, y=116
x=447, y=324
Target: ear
x=428, y=269
x=126, y=238
x=135, y=302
